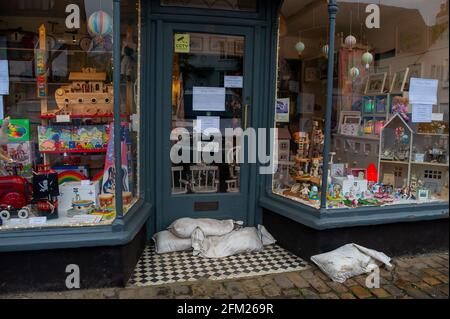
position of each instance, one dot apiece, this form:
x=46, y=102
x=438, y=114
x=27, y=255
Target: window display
x=57, y=102
x=389, y=142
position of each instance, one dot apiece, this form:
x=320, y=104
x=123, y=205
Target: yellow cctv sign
x=182, y=43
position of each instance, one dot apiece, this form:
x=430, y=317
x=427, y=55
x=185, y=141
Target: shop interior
x=56, y=112
x=389, y=140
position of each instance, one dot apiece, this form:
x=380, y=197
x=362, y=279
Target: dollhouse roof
x=388, y=123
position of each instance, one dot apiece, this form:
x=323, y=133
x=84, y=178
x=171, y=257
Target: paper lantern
x=367, y=59
x=325, y=50
x=350, y=42
x=100, y=23
x=300, y=47
x=353, y=73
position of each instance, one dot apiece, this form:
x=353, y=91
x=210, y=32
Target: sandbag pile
x=211, y=238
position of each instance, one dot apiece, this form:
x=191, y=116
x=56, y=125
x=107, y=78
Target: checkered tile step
x=154, y=269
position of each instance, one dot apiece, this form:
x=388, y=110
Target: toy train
x=15, y=197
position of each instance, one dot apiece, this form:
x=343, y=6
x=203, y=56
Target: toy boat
x=87, y=95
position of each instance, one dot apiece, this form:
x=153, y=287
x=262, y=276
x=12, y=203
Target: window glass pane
x=56, y=102
x=234, y=5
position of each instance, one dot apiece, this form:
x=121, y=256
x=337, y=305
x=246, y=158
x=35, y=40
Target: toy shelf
x=394, y=162
x=102, y=150
x=82, y=116
x=432, y=134
x=430, y=164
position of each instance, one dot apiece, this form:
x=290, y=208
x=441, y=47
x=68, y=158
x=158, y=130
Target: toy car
x=15, y=197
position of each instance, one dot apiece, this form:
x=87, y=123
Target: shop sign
x=182, y=43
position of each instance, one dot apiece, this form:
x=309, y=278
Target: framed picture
x=369, y=104
x=375, y=83
x=423, y=194
x=312, y=74
x=399, y=81
x=282, y=110
x=349, y=123
x=217, y=44
x=380, y=104
x=196, y=44
x=415, y=71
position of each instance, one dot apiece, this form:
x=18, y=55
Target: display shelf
x=394, y=162
x=430, y=164
x=102, y=150
x=82, y=116
x=432, y=134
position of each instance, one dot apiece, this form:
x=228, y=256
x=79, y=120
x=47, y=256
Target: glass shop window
x=381, y=73
x=56, y=112
x=384, y=61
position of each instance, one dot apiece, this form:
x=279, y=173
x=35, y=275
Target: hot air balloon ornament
x=350, y=42
x=353, y=73
x=325, y=50
x=100, y=23
x=300, y=47
x=367, y=59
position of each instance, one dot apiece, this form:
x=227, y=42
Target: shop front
x=115, y=121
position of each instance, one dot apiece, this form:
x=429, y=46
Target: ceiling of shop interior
x=309, y=18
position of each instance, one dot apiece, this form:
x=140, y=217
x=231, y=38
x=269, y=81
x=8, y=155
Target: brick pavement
x=421, y=276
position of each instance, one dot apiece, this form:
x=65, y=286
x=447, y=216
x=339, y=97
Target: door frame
x=152, y=92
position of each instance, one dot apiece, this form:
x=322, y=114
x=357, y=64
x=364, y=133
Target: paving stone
x=319, y=273
x=283, y=282
x=265, y=280
x=307, y=274
x=350, y=283
x=291, y=292
x=298, y=280
x=257, y=297
x=234, y=287
x=394, y=291
x=330, y=295
x=309, y=294
x=271, y=290
x=239, y=296
x=182, y=290
x=431, y=281
x=431, y=272
x=443, y=278
x=407, y=276
x=347, y=295
x=444, y=289
x=183, y=297
x=380, y=293
x=251, y=286
x=319, y=285
x=337, y=287
x=416, y=293
x=360, y=292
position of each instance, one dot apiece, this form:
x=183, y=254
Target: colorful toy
x=400, y=106
x=18, y=130
x=100, y=23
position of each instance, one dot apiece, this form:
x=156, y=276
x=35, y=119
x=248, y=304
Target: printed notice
x=4, y=77
x=423, y=91
x=37, y=221
x=282, y=110
x=422, y=113
x=234, y=82
x=208, y=99
x=182, y=43
x=210, y=123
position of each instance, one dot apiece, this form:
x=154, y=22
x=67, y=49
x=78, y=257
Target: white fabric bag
x=266, y=238
x=243, y=240
x=348, y=261
x=184, y=227
x=166, y=242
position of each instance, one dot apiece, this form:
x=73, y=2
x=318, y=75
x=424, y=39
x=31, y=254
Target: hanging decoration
x=350, y=42
x=100, y=23
x=353, y=73
x=300, y=47
x=367, y=59
x=325, y=50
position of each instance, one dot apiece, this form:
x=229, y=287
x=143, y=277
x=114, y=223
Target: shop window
x=56, y=113
x=377, y=75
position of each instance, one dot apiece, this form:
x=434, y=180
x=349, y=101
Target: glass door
x=210, y=82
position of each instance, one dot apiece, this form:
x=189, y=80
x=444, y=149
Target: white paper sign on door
x=234, y=82
x=208, y=99
x=422, y=113
x=423, y=91
x=4, y=77
x=211, y=123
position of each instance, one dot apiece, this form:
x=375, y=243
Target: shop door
x=207, y=85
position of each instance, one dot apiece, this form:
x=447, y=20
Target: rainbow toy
x=70, y=176
x=98, y=177
x=18, y=130
x=100, y=23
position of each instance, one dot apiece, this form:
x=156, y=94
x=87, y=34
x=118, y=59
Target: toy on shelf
x=46, y=192
x=88, y=94
x=400, y=106
x=79, y=197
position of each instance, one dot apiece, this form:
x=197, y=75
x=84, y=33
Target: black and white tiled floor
x=154, y=269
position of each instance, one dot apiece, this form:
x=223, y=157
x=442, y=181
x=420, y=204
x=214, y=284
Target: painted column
x=117, y=118
x=332, y=11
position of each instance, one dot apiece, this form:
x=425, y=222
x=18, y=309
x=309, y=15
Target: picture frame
x=415, y=71
x=399, y=81
x=375, y=83
x=423, y=195
x=349, y=123
x=381, y=104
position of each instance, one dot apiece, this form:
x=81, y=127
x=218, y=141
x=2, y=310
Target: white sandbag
x=348, y=261
x=184, y=227
x=166, y=242
x=266, y=238
x=239, y=241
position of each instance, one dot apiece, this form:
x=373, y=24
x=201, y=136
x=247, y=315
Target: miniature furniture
x=179, y=185
x=204, y=179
